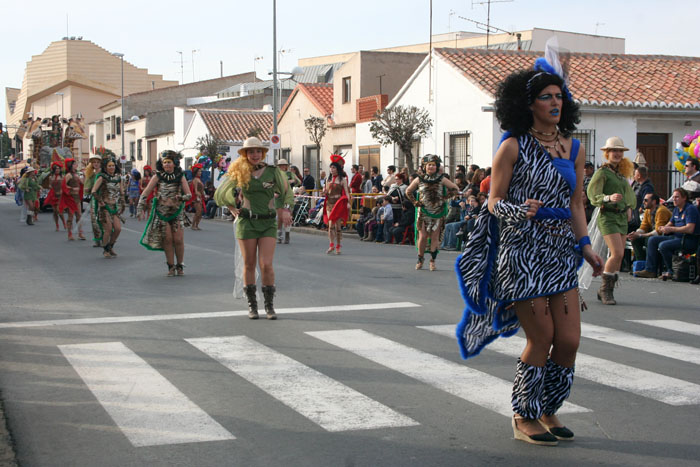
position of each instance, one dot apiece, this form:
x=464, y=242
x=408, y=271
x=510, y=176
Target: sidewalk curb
x=8, y=458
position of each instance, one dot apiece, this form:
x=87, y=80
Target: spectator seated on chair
x=370, y=225
x=408, y=214
x=681, y=232
x=655, y=216
x=365, y=216
x=458, y=230
x=386, y=220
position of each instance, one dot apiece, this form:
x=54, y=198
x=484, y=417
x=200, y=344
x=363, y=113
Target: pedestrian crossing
x=151, y=411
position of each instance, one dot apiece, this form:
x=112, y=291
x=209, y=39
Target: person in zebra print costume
x=519, y=267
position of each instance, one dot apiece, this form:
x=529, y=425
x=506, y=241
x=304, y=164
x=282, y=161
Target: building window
x=132, y=150
x=587, y=138
x=346, y=90
x=311, y=160
x=119, y=125
x=92, y=142
x=456, y=151
x=369, y=156
x=139, y=150
x=286, y=154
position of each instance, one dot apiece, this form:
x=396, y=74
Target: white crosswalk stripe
x=147, y=408
x=670, y=324
x=151, y=411
x=647, y=344
x=330, y=404
x=472, y=385
x=662, y=388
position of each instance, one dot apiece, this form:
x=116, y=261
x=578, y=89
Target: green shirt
x=259, y=192
x=30, y=188
x=606, y=182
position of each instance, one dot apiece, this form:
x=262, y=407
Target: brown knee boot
x=605, y=294
x=250, y=292
x=269, y=295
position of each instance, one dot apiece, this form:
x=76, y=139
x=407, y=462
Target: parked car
x=3, y=187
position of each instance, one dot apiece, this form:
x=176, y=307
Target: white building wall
x=607, y=125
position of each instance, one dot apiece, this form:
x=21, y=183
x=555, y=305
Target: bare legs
x=261, y=251
x=423, y=237
x=552, y=327
x=197, y=215
x=616, y=246
x=58, y=215
x=112, y=228
x=335, y=236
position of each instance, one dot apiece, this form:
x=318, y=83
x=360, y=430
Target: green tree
x=316, y=127
x=209, y=145
x=401, y=125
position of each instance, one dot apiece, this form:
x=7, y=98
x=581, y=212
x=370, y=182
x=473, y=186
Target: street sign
x=123, y=158
x=275, y=142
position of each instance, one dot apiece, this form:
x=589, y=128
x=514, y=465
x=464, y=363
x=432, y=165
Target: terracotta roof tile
x=657, y=81
x=319, y=94
x=234, y=125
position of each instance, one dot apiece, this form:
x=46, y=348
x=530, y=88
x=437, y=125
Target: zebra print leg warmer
x=557, y=386
x=528, y=389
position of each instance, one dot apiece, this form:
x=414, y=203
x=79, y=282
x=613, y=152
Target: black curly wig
x=517, y=92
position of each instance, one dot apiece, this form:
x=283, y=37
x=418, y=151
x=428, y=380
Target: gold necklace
x=557, y=147
x=544, y=133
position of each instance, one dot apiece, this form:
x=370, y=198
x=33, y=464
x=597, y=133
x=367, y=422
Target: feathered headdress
x=338, y=158
x=552, y=64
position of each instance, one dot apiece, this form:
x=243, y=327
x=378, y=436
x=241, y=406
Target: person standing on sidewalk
x=30, y=192
x=610, y=191
x=256, y=227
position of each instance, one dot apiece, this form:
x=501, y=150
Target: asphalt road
x=110, y=363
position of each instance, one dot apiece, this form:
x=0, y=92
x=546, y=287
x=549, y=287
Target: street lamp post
x=274, y=73
x=121, y=56
x=61, y=94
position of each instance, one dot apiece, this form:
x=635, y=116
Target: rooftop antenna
x=449, y=20
x=193, y=52
x=488, y=15
x=488, y=28
x=255, y=61
x=596, y=27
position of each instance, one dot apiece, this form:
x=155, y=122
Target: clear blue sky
x=150, y=32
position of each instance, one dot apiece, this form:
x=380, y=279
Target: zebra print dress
x=506, y=261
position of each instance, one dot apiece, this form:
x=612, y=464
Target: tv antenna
x=488, y=15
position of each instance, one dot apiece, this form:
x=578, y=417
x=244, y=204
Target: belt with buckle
x=246, y=214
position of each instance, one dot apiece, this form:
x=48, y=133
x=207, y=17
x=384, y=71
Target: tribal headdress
x=338, y=159
x=169, y=154
x=547, y=66
x=431, y=158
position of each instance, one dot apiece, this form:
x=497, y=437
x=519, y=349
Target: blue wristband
x=583, y=241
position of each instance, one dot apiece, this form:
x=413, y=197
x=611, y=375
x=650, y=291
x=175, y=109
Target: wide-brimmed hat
x=252, y=143
x=614, y=142
x=282, y=162
x=95, y=156
x=29, y=170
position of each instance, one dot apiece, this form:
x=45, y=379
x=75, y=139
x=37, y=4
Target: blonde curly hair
x=624, y=168
x=240, y=171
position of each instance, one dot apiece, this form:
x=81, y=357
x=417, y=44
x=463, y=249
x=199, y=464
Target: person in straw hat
x=294, y=181
x=610, y=190
x=30, y=191
x=256, y=220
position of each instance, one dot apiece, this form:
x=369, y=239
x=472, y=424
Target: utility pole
x=274, y=73
x=193, y=51
x=182, y=68
x=221, y=64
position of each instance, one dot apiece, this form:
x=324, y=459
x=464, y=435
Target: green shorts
x=612, y=222
x=256, y=228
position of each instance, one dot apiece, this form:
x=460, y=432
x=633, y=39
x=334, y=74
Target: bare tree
x=255, y=132
x=316, y=127
x=401, y=125
x=210, y=146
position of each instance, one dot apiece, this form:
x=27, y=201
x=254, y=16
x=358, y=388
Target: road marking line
x=644, y=383
x=216, y=314
x=647, y=344
x=330, y=404
x=148, y=409
x=670, y=324
x=454, y=378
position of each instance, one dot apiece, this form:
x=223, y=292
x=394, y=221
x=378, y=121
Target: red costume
x=335, y=206
x=195, y=196
x=70, y=201
x=55, y=182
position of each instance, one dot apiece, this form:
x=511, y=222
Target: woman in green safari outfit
x=164, y=231
x=30, y=191
x=266, y=195
x=609, y=189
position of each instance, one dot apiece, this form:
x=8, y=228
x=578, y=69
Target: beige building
x=74, y=77
x=532, y=40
